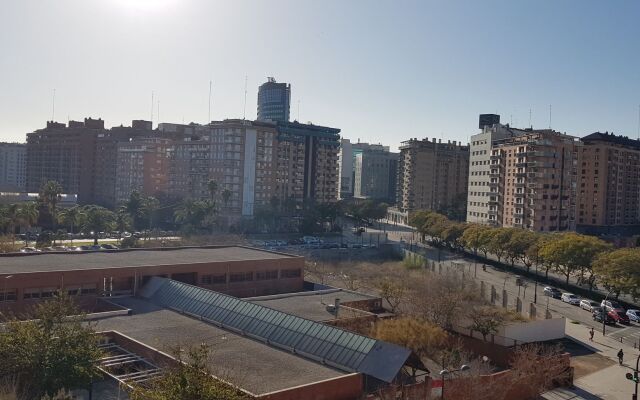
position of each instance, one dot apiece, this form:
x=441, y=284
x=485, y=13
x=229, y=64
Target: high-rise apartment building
x=432, y=176
x=478, y=192
x=13, y=167
x=143, y=166
x=609, y=185
x=307, y=159
x=274, y=101
x=65, y=154
x=346, y=163
x=239, y=155
x=533, y=181
x=375, y=173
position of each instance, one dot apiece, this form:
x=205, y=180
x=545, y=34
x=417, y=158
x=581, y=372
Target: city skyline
x=382, y=74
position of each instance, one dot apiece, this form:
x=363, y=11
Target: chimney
x=336, y=305
x=439, y=140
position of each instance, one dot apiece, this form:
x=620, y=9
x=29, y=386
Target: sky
x=381, y=71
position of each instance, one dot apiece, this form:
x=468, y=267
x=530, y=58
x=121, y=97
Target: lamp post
x=634, y=377
x=445, y=372
x=535, y=292
x=604, y=314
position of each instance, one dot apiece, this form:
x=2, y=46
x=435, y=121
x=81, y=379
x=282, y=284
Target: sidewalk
x=609, y=383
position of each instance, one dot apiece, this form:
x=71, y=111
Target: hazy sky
x=382, y=71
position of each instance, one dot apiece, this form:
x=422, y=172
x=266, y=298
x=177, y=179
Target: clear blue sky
x=382, y=71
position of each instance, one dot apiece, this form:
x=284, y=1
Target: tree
x=452, y=234
x=571, y=252
x=122, y=220
x=472, y=237
x=486, y=320
x=50, y=194
x=96, y=219
x=226, y=196
x=518, y=244
x=393, y=292
x=212, y=187
x=499, y=241
x=420, y=336
x=71, y=217
x=195, y=214
x=27, y=214
x=619, y=271
x=55, y=350
x=189, y=378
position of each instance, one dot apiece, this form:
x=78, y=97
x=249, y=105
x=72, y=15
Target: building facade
x=345, y=169
x=142, y=166
x=480, y=168
x=274, y=101
x=533, y=181
x=307, y=163
x=239, y=155
x=375, y=173
x=13, y=167
x=432, y=176
x=609, y=185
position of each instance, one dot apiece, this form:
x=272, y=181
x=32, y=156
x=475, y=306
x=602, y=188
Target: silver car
x=588, y=305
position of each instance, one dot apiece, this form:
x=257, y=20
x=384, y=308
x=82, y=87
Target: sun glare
x=146, y=5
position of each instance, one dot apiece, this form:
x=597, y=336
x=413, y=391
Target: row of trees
x=589, y=258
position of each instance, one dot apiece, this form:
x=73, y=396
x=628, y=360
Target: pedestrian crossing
x=629, y=335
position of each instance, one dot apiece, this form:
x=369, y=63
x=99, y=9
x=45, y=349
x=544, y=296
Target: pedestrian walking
x=620, y=356
x=591, y=334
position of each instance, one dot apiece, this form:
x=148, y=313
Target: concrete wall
x=535, y=330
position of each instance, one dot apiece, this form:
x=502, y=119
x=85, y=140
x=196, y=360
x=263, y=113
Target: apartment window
x=213, y=279
x=8, y=295
x=290, y=273
x=241, y=277
x=31, y=293
x=48, y=292
x=266, y=275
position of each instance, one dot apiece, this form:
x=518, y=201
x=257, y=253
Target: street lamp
x=445, y=372
x=535, y=292
x=634, y=377
x=604, y=313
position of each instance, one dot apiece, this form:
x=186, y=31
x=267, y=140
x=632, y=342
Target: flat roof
x=50, y=262
x=309, y=305
x=248, y=363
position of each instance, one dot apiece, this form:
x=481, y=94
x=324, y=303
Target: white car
x=570, y=298
x=589, y=305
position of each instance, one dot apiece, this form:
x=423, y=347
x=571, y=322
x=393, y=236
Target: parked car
x=599, y=313
x=281, y=242
x=570, y=298
x=634, y=315
x=589, y=305
x=619, y=316
x=552, y=292
x=610, y=305
x=108, y=246
x=30, y=250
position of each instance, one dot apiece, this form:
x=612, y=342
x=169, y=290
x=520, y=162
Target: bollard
x=532, y=311
x=505, y=299
x=518, y=305
x=493, y=295
x=482, y=290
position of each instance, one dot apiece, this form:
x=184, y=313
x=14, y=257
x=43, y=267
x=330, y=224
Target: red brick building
x=235, y=270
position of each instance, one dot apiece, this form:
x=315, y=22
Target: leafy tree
x=394, y=292
x=196, y=214
x=498, y=244
x=486, y=320
x=190, y=378
x=50, y=194
x=571, y=252
x=518, y=244
x=420, y=336
x=619, y=271
x=27, y=214
x=473, y=237
x=55, y=350
x=122, y=220
x=452, y=234
x=96, y=219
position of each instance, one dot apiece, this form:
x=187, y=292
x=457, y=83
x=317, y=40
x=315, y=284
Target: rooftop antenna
x=511, y=118
x=53, y=106
x=152, y=109
x=549, y=116
x=244, y=111
x=530, y=125
x=210, y=85
x=298, y=110
x=158, y=109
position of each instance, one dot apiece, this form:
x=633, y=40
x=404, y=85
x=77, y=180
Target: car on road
x=107, y=246
x=570, y=298
x=610, y=305
x=634, y=315
x=619, y=316
x=598, y=314
x=30, y=250
x=552, y=292
x=589, y=305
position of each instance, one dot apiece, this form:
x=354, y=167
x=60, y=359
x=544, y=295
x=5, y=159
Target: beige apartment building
x=239, y=155
x=533, y=180
x=609, y=185
x=432, y=175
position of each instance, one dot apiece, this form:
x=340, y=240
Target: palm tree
x=212, y=186
x=71, y=217
x=27, y=214
x=97, y=219
x=50, y=195
x=226, y=196
x=149, y=207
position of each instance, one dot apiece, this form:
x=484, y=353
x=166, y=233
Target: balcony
x=494, y=184
x=519, y=184
x=521, y=174
x=521, y=164
x=494, y=157
x=521, y=194
x=492, y=212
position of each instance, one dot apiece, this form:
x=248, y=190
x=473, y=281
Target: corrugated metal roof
x=336, y=347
